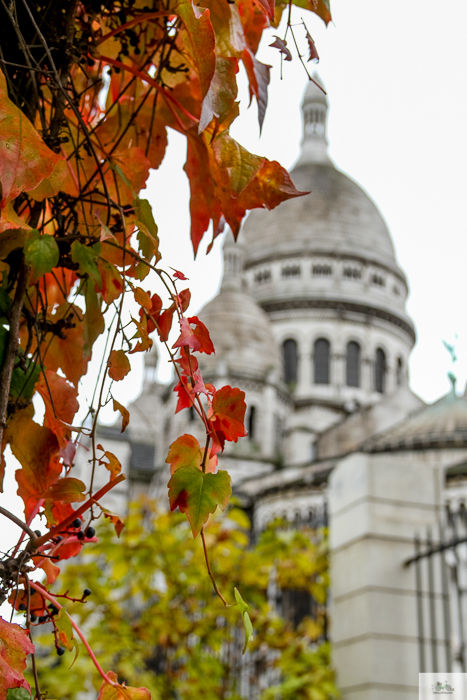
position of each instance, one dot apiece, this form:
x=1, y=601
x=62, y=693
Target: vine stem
x=17, y=521
x=38, y=695
x=210, y=572
x=79, y=511
x=12, y=347
x=79, y=632
x=131, y=23
x=30, y=519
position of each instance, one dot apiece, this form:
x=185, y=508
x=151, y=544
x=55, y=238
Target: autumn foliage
x=88, y=91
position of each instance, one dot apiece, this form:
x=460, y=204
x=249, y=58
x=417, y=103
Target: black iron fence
x=440, y=564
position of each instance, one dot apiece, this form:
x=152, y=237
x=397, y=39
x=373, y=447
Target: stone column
x=377, y=502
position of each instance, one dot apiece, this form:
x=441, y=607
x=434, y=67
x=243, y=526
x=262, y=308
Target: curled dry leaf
x=281, y=44
x=125, y=413
x=312, y=49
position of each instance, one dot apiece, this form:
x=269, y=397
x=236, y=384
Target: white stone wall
x=376, y=503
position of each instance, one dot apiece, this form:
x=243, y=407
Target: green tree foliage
x=153, y=616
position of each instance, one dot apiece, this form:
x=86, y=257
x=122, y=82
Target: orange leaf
x=113, y=465
x=142, y=298
x=119, y=365
x=50, y=569
x=25, y=160
x=121, y=692
x=37, y=603
x=60, y=405
x=186, y=452
x=202, y=39
x=116, y=521
x=112, y=284
x=67, y=490
x=36, y=448
x=15, y=645
x=227, y=414
x=124, y=412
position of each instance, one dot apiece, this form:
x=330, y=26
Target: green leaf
x=148, y=232
x=23, y=381
x=65, y=629
x=246, y=619
x=18, y=694
x=94, y=323
x=86, y=257
x=198, y=494
x=240, y=602
x=248, y=630
x=41, y=253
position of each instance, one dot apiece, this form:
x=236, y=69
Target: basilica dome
x=337, y=217
x=239, y=328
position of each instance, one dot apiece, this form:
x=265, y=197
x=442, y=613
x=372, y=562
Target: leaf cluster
x=153, y=618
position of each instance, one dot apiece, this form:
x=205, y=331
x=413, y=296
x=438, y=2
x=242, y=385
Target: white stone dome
x=336, y=218
x=239, y=328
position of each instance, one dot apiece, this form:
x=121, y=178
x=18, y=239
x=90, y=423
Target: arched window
x=252, y=423
x=353, y=364
x=399, y=371
x=380, y=371
x=321, y=356
x=290, y=357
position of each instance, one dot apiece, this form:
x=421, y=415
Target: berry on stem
x=21, y=606
x=60, y=651
x=90, y=532
x=86, y=592
x=76, y=522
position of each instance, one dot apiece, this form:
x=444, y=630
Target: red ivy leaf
x=179, y=275
x=15, y=646
x=227, y=413
x=183, y=389
x=197, y=339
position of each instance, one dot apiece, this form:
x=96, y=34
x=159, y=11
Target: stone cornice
x=341, y=305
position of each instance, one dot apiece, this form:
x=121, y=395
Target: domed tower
x=324, y=270
x=246, y=356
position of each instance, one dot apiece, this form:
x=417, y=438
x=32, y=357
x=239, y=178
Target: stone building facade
x=310, y=322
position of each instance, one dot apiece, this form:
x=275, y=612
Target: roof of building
x=442, y=424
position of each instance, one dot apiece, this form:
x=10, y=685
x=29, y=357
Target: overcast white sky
x=396, y=80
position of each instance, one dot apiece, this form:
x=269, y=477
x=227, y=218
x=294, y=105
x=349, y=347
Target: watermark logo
x=451, y=685
x=442, y=688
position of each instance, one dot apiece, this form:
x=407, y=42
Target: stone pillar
x=377, y=502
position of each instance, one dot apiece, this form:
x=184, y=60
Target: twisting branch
x=18, y=522
x=12, y=347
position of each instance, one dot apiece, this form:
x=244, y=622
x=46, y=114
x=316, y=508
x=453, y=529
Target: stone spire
x=151, y=359
x=314, y=108
x=234, y=257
